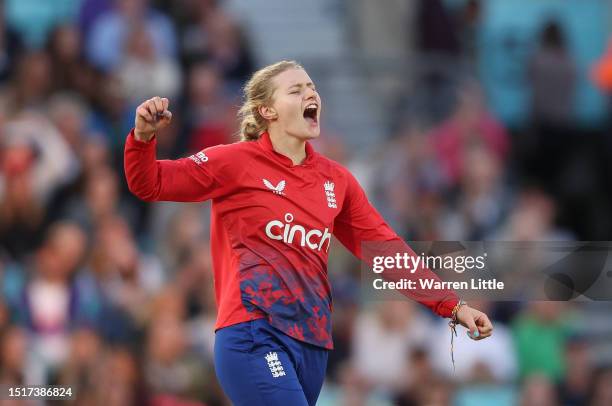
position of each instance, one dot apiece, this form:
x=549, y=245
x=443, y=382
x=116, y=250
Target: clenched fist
x=152, y=115
x=478, y=324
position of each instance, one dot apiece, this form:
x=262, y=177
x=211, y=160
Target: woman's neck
x=287, y=145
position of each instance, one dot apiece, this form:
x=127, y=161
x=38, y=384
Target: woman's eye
x=295, y=92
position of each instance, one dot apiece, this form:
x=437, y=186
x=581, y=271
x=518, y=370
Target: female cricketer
x=276, y=203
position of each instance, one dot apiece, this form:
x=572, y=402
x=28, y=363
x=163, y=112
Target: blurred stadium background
x=463, y=119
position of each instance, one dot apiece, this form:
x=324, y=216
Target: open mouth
x=310, y=113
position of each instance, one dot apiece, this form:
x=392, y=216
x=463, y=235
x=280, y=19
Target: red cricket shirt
x=271, y=228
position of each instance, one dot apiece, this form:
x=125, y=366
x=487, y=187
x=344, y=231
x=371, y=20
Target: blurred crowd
x=115, y=297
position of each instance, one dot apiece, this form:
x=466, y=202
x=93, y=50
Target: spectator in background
x=169, y=369
x=210, y=118
x=94, y=153
x=110, y=31
x=35, y=162
x=69, y=69
x=53, y=301
x=143, y=72
x=110, y=116
x=194, y=37
x=483, y=199
x=383, y=340
x=229, y=50
x=69, y=113
x=128, y=278
x=552, y=78
x=40, y=154
x=95, y=193
x=541, y=335
x=532, y=218
x=99, y=199
x=31, y=84
x=409, y=181
x=216, y=36
x=471, y=124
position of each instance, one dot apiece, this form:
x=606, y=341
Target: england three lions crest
x=329, y=193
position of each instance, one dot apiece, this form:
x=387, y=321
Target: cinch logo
x=286, y=232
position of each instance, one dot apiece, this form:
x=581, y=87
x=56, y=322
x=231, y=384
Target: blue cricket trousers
x=258, y=365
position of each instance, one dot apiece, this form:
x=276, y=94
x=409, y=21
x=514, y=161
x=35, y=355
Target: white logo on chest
x=329, y=193
x=278, y=189
x=286, y=232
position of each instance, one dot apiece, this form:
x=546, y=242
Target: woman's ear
x=267, y=112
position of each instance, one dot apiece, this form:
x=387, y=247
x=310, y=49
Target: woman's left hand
x=475, y=321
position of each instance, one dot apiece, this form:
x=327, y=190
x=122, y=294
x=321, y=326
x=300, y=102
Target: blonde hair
x=258, y=92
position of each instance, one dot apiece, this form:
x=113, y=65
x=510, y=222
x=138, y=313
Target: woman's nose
x=310, y=94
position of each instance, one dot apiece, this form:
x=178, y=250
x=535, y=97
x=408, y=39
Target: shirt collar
x=265, y=142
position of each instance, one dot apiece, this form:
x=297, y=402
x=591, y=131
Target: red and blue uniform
x=271, y=228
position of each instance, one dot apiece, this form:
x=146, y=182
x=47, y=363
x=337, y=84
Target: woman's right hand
x=152, y=115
